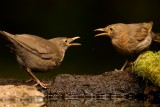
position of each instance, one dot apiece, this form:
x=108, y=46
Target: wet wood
x=106, y=85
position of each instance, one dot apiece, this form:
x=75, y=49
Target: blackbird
x=129, y=39
x=34, y=53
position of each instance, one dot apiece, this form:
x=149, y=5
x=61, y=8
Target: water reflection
x=21, y=104
x=119, y=102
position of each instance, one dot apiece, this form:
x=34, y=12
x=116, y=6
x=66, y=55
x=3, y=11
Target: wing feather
x=32, y=43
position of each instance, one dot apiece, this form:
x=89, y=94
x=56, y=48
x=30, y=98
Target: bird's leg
x=125, y=64
x=35, y=78
x=29, y=80
x=138, y=58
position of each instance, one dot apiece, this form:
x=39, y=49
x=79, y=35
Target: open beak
x=70, y=40
x=104, y=32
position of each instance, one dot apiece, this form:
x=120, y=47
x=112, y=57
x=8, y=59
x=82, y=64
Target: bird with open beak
x=128, y=39
x=34, y=53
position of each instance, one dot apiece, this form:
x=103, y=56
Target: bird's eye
x=110, y=28
x=66, y=41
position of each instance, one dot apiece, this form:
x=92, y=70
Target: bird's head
x=111, y=30
x=65, y=42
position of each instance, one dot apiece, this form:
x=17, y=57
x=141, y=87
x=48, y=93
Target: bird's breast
x=121, y=45
x=126, y=45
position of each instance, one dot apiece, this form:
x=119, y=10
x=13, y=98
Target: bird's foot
x=117, y=70
x=36, y=79
x=43, y=85
x=37, y=83
x=29, y=80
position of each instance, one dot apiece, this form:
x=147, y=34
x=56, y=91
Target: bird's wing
x=141, y=31
x=41, y=46
x=34, y=44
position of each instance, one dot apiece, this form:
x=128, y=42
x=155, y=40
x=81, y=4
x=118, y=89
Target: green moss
x=148, y=66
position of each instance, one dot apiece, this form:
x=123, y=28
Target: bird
x=129, y=39
x=35, y=53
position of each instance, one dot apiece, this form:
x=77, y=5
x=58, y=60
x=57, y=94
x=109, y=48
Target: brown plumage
x=129, y=39
x=38, y=54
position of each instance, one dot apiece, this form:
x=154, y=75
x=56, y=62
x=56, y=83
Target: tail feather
x=156, y=37
x=6, y=35
x=9, y=39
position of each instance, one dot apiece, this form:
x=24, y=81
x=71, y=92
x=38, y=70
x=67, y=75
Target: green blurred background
x=53, y=18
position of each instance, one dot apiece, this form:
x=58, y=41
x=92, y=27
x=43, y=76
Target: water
x=117, y=102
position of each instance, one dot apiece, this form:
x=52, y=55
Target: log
x=107, y=85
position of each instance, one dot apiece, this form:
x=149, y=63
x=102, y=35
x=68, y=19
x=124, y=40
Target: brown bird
x=129, y=39
x=38, y=54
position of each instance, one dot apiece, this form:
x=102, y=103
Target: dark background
x=53, y=18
